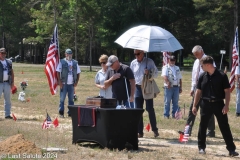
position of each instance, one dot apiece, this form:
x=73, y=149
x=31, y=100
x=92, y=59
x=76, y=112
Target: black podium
x=114, y=129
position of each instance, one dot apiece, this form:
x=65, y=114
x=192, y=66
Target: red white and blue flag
x=178, y=114
x=47, y=122
x=235, y=61
x=186, y=133
x=52, y=61
x=166, y=56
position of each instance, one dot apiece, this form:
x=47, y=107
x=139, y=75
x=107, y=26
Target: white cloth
x=5, y=70
x=176, y=74
x=194, y=72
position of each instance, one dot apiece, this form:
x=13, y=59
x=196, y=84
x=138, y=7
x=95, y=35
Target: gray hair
x=197, y=48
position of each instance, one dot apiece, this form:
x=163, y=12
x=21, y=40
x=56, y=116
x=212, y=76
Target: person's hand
x=169, y=85
x=146, y=71
x=194, y=110
x=116, y=76
x=192, y=93
x=60, y=84
x=103, y=87
x=180, y=90
x=131, y=99
x=225, y=110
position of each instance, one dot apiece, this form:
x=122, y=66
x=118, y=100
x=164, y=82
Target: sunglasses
x=137, y=54
x=102, y=62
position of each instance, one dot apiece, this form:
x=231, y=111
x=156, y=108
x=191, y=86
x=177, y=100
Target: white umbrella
x=149, y=39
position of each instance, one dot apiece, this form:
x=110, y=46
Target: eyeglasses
x=102, y=62
x=137, y=54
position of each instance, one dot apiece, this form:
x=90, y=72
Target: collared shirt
x=175, y=73
x=212, y=86
x=195, y=70
x=138, y=69
x=99, y=79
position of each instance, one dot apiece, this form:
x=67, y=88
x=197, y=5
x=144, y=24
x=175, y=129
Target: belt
x=138, y=85
x=175, y=86
x=212, y=100
x=6, y=81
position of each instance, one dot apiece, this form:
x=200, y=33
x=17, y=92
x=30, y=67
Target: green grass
x=33, y=114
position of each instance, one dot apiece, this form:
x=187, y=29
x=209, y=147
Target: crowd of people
x=210, y=90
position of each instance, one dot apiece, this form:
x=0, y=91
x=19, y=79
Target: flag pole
x=47, y=135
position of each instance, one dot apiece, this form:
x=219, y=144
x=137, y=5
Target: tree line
x=90, y=27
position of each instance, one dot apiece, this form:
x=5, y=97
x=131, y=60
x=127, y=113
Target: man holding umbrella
x=142, y=66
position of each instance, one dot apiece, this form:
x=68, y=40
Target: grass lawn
x=32, y=114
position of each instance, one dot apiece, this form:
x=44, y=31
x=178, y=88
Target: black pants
x=139, y=100
x=207, y=109
x=192, y=117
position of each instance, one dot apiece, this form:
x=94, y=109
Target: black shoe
x=8, y=117
x=69, y=115
x=156, y=134
x=233, y=153
x=210, y=134
x=237, y=114
x=202, y=151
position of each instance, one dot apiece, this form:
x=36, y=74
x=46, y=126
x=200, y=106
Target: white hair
x=197, y=48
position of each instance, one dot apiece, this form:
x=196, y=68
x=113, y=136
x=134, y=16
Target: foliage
x=101, y=22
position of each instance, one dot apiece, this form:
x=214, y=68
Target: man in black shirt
x=213, y=87
x=120, y=76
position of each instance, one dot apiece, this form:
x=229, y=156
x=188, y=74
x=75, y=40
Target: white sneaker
x=202, y=151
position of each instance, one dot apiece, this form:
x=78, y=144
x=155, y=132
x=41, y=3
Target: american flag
x=186, y=133
x=165, y=57
x=47, y=122
x=235, y=61
x=52, y=61
x=178, y=114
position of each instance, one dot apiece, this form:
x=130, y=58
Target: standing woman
x=100, y=78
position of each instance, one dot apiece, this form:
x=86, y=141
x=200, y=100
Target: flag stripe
x=235, y=61
x=52, y=61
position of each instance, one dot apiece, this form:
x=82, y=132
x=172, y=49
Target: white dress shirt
x=194, y=72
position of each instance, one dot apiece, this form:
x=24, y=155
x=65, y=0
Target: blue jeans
x=237, y=100
x=170, y=94
x=5, y=88
x=66, y=89
x=149, y=107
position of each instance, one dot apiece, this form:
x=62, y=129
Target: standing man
x=142, y=66
x=237, y=81
x=68, y=73
x=172, y=86
x=6, y=81
x=213, y=87
x=121, y=78
x=196, y=72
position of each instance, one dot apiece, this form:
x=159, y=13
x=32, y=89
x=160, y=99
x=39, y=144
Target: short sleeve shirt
x=118, y=85
x=212, y=86
x=99, y=79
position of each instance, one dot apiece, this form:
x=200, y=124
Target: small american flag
x=165, y=58
x=186, y=133
x=47, y=122
x=52, y=61
x=178, y=114
x=235, y=61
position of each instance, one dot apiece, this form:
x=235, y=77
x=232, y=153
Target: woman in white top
x=100, y=78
